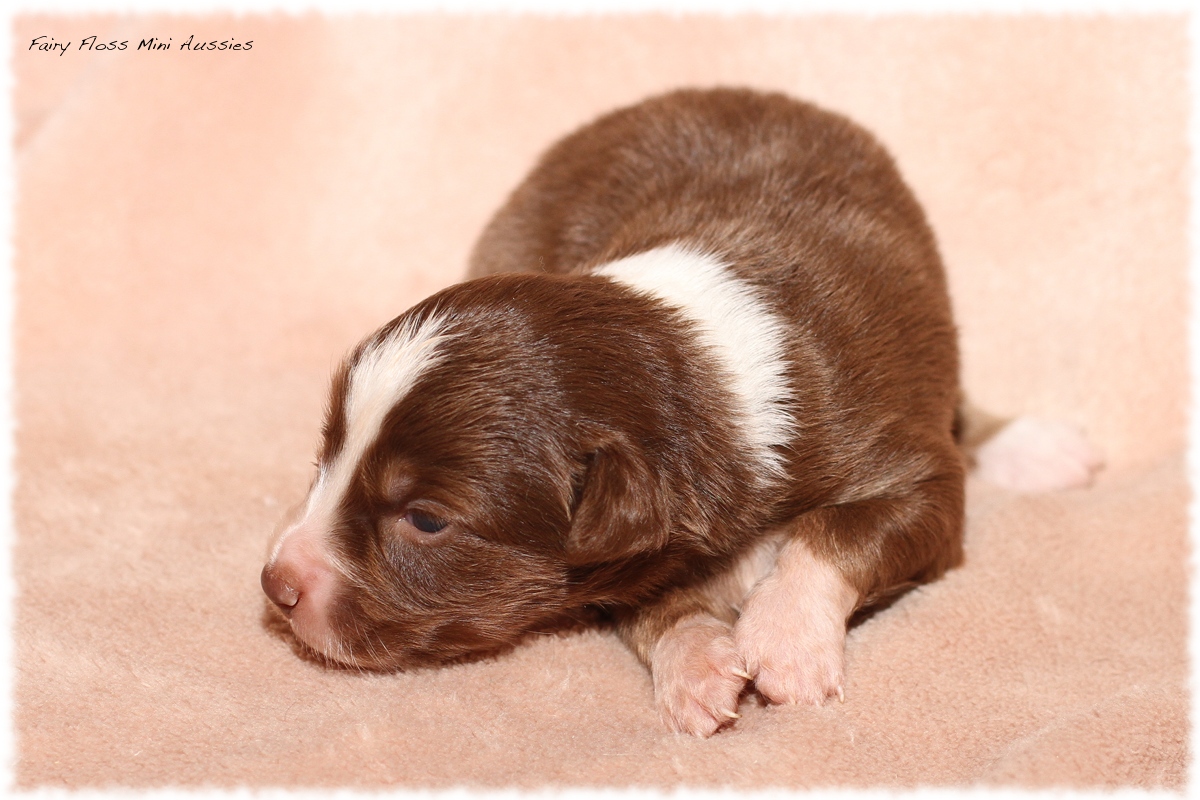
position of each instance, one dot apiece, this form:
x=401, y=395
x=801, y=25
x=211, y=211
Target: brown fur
x=561, y=474
x=576, y=435
x=809, y=207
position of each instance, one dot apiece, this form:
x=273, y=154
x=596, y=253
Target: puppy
x=704, y=382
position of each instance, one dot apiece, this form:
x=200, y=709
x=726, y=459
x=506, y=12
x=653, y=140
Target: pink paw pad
x=698, y=676
x=1038, y=455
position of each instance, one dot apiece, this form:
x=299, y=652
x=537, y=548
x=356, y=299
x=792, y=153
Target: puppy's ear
x=619, y=511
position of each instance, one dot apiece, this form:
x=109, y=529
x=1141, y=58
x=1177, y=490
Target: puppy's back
x=734, y=170
x=803, y=205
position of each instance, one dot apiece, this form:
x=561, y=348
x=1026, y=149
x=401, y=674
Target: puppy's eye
x=424, y=522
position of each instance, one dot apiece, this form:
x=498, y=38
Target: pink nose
x=280, y=586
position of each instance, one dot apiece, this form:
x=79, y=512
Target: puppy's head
x=466, y=477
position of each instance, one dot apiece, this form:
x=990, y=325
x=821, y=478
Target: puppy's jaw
x=299, y=564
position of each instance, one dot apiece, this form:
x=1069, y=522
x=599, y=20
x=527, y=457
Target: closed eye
x=424, y=522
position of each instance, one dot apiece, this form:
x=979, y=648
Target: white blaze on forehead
x=382, y=376
x=738, y=327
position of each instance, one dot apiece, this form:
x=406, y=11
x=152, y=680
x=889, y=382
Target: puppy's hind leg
x=1026, y=454
x=1038, y=455
x=792, y=629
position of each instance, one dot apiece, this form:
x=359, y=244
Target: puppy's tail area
x=1025, y=454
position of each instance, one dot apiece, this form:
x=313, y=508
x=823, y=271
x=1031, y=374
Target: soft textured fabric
x=201, y=235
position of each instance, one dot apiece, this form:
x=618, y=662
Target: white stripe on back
x=730, y=319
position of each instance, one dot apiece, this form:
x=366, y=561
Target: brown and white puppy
x=705, y=382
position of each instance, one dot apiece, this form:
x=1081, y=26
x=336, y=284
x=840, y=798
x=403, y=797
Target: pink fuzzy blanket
x=201, y=234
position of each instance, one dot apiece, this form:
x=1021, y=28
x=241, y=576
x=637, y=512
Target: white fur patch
x=381, y=378
x=1038, y=455
x=736, y=324
x=792, y=630
x=698, y=675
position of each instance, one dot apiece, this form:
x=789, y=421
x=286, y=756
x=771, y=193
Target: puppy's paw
x=698, y=676
x=795, y=658
x=792, y=631
x=1037, y=455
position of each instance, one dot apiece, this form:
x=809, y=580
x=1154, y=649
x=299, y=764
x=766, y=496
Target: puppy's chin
x=336, y=655
x=352, y=633
x=318, y=640
x=326, y=647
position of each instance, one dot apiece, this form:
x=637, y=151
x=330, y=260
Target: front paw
x=698, y=676
x=792, y=631
x=800, y=667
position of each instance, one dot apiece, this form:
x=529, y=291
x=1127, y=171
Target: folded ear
x=619, y=512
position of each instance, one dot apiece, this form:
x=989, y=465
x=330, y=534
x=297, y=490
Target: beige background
x=200, y=236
